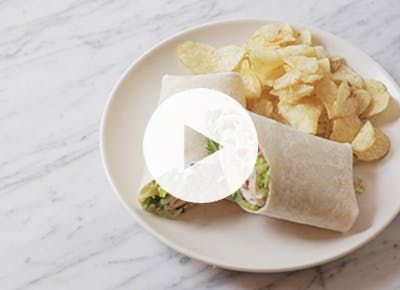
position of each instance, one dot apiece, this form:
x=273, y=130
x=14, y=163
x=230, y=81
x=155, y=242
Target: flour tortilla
x=311, y=179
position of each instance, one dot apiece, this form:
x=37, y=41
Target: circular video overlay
x=200, y=145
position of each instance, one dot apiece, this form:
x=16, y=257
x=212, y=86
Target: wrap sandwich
x=297, y=177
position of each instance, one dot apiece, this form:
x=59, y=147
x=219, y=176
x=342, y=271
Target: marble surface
x=61, y=226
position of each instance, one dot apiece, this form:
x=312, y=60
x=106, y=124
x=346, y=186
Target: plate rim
x=163, y=238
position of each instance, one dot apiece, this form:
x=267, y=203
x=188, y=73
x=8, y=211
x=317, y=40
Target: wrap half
x=310, y=178
x=297, y=177
x=152, y=197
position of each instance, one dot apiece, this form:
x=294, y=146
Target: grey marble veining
x=60, y=225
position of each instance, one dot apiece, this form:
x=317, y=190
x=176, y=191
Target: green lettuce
x=156, y=200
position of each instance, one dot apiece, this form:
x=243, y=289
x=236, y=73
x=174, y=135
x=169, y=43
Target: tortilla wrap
x=311, y=179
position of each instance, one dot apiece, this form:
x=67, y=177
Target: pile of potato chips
x=289, y=79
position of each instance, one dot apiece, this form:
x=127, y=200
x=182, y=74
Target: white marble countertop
x=61, y=226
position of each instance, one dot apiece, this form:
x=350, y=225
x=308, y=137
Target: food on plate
x=363, y=100
x=310, y=178
x=251, y=83
x=262, y=106
x=344, y=105
x=365, y=138
x=252, y=195
x=379, y=97
x=203, y=58
x=336, y=62
x=156, y=200
x=316, y=92
x=304, y=116
x=292, y=177
x=345, y=73
x=370, y=143
x=345, y=129
x=294, y=89
x=152, y=197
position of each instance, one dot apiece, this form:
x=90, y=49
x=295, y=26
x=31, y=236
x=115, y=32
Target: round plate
x=220, y=233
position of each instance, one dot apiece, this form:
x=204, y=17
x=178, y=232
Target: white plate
x=221, y=233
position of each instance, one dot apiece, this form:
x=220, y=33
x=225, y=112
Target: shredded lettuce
x=262, y=183
x=212, y=146
x=242, y=202
x=155, y=199
x=262, y=169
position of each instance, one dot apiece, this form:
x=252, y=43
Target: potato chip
x=345, y=129
x=258, y=41
x=324, y=66
x=345, y=73
x=264, y=62
x=365, y=138
x=379, y=97
x=297, y=49
x=305, y=37
x=343, y=93
x=344, y=105
x=324, y=125
x=335, y=61
x=344, y=90
x=274, y=74
x=311, y=78
x=294, y=93
x=229, y=58
x=199, y=58
x=251, y=84
x=326, y=92
x=202, y=58
x=261, y=106
x=276, y=115
x=288, y=79
x=303, y=116
x=363, y=100
x=274, y=100
x=378, y=150
x=304, y=64
x=267, y=95
x=349, y=109
x=320, y=52
x=271, y=35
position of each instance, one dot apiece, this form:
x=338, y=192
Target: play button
x=177, y=140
